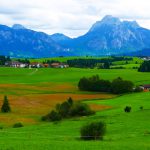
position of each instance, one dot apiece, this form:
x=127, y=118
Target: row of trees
x=145, y=67
x=4, y=59
x=68, y=109
x=94, y=83
x=25, y=61
x=103, y=63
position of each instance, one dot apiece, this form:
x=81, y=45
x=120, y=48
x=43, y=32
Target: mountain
x=21, y=42
x=110, y=36
x=61, y=39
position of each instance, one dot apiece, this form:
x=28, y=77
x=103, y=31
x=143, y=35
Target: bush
x=81, y=109
x=52, y=116
x=18, y=125
x=5, y=107
x=93, y=131
x=141, y=108
x=68, y=109
x=127, y=109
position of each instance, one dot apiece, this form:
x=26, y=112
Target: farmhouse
x=146, y=58
x=15, y=64
x=59, y=65
x=35, y=65
x=145, y=87
x=46, y=65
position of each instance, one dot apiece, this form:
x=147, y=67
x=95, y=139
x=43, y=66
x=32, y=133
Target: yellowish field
x=30, y=102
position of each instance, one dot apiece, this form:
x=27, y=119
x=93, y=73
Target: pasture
x=34, y=92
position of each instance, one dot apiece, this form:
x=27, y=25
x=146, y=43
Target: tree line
x=95, y=84
x=4, y=59
x=103, y=63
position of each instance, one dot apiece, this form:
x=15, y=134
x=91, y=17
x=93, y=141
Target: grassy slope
x=70, y=75
x=124, y=131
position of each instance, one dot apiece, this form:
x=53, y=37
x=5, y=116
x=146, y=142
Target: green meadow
x=34, y=92
x=69, y=75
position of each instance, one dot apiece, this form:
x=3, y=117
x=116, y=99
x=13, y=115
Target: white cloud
x=71, y=17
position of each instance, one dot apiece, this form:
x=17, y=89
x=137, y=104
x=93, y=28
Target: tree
x=52, y=116
x=70, y=101
x=93, y=131
x=84, y=84
x=127, y=109
x=145, y=67
x=106, y=65
x=120, y=86
x=68, y=109
x=5, y=107
x=81, y=109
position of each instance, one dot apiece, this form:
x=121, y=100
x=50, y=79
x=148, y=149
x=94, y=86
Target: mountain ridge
x=110, y=36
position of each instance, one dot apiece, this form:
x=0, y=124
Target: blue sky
x=71, y=17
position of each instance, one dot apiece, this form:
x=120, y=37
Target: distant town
x=17, y=64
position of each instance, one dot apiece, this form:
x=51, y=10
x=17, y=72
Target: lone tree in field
x=93, y=131
x=5, y=107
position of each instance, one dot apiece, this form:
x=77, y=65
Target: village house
x=59, y=65
x=15, y=64
x=146, y=58
x=145, y=87
x=46, y=65
x=36, y=65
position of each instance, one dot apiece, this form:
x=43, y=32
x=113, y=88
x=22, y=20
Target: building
x=15, y=64
x=46, y=65
x=35, y=65
x=59, y=65
x=145, y=87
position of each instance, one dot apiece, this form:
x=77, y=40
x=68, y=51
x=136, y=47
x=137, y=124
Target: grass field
x=32, y=93
x=124, y=131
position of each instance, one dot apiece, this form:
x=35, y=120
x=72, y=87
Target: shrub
x=5, y=107
x=93, y=131
x=18, y=125
x=127, y=109
x=81, y=109
x=52, y=116
x=141, y=108
x=68, y=109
